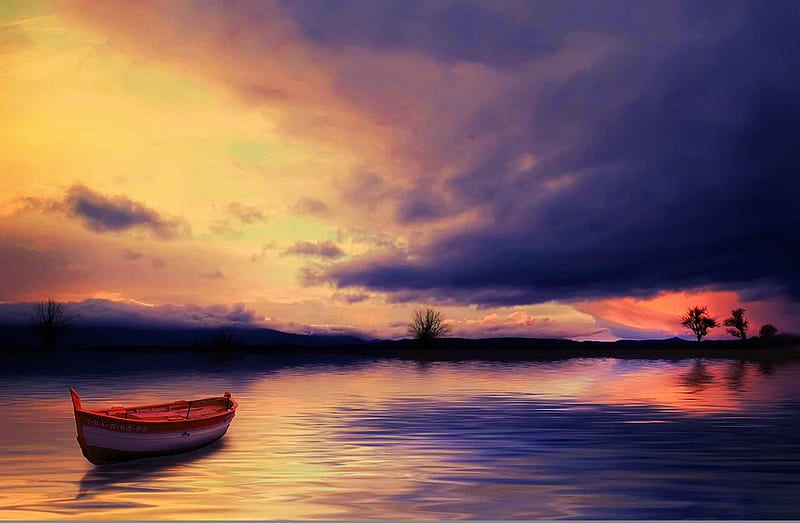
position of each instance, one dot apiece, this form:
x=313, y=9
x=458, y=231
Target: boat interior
x=176, y=411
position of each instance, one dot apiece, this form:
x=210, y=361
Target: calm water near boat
x=600, y=438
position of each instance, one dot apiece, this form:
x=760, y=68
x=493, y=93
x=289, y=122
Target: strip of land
x=447, y=349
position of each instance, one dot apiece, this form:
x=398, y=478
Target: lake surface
x=586, y=439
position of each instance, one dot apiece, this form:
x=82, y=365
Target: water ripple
x=587, y=439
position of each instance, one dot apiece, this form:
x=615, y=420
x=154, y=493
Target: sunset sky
x=580, y=169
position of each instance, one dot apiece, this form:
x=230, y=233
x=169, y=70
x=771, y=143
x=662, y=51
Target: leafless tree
x=698, y=321
x=49, y=320
x=427, y=326
x=738, y=324
x=768, y=331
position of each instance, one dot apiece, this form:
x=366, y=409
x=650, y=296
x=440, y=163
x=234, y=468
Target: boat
x=125, y=433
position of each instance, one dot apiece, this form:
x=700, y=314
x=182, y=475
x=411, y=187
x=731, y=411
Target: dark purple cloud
x=668, y=164
x=94, y=312
x=101, y=213
x=420, y=206
x=320, y=249
x=497, y=33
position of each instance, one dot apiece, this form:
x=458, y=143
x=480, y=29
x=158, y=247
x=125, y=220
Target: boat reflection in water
x=135, y=473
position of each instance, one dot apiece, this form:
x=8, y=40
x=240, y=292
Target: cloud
x=26, y=269
x=420, y=206
x=350, y=298
x=261, y=254
x=312, y=207
x=658, y=317
x=136, y=256
x=600, y=149
x=97, y=312
x=246, y=213
x=102, y=213
x=225, y=228
x=365, y=188
x=518, y=323
x=214, y=275
x=381, y=240
x=237, y=213
x=320, y=249
x=654, y=170
x=131, y=255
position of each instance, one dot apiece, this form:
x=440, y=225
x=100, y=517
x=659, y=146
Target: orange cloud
x=660, y=315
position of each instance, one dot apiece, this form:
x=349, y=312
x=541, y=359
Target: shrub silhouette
x=738, y=324
x=768, y=331
x=698, y=321
x=427, y=326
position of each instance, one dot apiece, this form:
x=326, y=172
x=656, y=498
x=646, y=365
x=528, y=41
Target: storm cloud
x=665, y=165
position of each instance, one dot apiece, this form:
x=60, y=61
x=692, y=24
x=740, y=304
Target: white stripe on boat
x=152, y=442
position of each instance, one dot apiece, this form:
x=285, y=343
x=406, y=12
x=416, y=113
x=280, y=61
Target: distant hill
x=116, y=336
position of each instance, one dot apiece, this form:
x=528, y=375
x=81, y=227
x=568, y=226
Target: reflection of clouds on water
x=612, y=461
x=375, y=440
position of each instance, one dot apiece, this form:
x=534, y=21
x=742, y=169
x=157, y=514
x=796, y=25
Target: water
x=386, y=439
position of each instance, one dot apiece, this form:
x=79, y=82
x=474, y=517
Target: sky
x=582, y=169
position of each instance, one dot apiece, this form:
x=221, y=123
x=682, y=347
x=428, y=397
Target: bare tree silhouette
x=768, y=331
x=698, y=321
x=49, y=320
x=427, y=326
x=737, y=323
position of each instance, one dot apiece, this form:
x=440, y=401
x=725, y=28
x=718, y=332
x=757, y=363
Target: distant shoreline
x=531, y=349
x=448, y=349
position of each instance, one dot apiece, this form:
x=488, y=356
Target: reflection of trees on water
x=735, y=375
x=698, y=378
x=766, y=367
